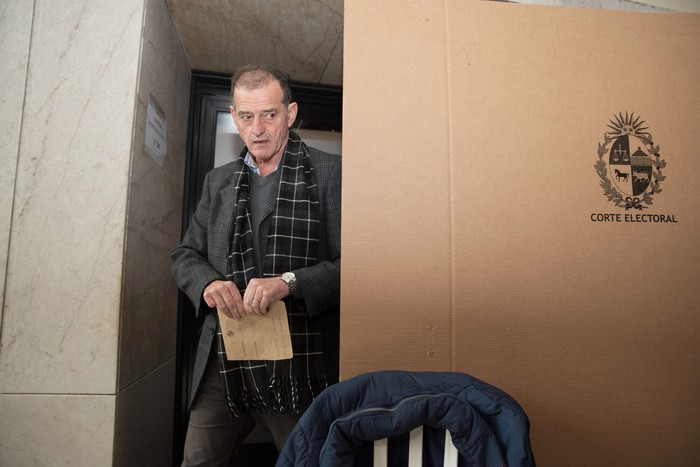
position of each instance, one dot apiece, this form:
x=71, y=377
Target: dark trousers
x=213, y=435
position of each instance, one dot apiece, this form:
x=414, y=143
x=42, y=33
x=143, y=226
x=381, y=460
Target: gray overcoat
x=203, y=255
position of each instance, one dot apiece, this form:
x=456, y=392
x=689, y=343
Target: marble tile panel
x=15, y=32
x=56, y=430
x=629, y=5
x=63, y=291
x=149, y=311
x=144, y=420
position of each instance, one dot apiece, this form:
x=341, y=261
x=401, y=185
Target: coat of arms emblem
x=629, y=164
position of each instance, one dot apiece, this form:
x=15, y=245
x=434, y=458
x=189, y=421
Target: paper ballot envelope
x=258, y=337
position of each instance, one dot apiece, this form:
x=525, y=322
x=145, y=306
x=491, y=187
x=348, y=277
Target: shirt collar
x=250, y=162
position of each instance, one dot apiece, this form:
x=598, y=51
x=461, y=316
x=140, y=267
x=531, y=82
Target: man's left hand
x=261, y=292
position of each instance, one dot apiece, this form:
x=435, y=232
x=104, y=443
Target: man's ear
x=291, y=113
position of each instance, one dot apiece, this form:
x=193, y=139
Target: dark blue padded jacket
x=488, y=427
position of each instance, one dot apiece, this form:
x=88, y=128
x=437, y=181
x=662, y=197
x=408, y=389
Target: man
x=267, y=228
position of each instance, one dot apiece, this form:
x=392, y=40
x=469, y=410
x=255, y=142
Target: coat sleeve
x=320, y=284
x=191, y=268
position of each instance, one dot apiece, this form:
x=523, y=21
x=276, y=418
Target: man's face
x=262, y=120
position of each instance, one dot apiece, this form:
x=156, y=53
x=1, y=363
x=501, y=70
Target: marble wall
x=146, y=373
x=87, y=347
x=15, y=31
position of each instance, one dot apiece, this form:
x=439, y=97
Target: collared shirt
x=250, y=162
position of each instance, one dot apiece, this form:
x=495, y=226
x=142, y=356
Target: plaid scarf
x=283, y=386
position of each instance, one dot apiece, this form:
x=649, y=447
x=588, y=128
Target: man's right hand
x=225, y=297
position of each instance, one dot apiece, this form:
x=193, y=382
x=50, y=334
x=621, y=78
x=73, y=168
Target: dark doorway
x=211, y=141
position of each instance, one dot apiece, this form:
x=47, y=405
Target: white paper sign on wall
x=156, y=132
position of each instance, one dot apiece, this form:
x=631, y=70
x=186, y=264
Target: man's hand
x=225, y=297
x=261, y=292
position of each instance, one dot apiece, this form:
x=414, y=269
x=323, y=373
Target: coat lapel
x=227, y=214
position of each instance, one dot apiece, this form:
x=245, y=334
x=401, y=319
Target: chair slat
x=381, y=452
x=415, y=448
x=451, y=453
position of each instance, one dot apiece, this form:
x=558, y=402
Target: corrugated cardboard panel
x=538, y=283
x=396, y=218
x=593, y=326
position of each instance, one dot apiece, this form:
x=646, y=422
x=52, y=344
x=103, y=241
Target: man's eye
x=246, y=118
x=269, y=116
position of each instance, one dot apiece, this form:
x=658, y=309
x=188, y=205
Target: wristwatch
x=291, y=280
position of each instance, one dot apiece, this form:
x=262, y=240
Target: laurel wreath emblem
x=628, y=125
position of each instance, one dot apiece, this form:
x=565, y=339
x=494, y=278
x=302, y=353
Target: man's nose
x=258, y=126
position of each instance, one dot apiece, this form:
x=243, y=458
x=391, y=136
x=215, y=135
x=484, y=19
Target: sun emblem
x=634, y=175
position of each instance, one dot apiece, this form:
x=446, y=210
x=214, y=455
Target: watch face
x=288, y=276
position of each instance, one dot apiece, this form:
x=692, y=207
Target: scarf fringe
x=283, y=395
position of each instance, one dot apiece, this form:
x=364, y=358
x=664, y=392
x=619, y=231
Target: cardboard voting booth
x=520, y=203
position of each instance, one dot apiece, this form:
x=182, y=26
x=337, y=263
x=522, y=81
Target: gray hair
x=255, y=76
